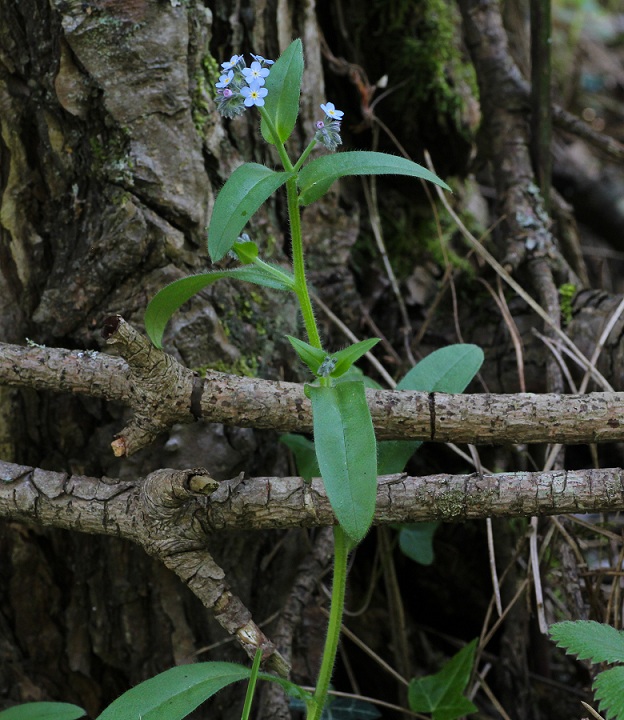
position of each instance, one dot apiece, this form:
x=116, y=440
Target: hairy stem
x=342, y=545
x=301, y=286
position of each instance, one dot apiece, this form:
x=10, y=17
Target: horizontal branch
x=162, y=392
x=172, y=514
x=161, y=511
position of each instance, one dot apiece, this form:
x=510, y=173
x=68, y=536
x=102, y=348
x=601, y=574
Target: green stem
x=301, y=286
x=304, y=155
x=279, y=145
x=251, y=687
x=342, y=545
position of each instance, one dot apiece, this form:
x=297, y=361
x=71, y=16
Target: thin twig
x=371, y=653
x=491, y=697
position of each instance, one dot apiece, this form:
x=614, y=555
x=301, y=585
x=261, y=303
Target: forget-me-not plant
x=344, y=438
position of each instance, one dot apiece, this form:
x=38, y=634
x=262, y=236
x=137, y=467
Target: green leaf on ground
x=442, y=694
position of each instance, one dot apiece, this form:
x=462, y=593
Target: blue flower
x=261, y=60
x=331, y=112
x=254, y=94
x=229, y=65
x=255, y=73
x=225, y=79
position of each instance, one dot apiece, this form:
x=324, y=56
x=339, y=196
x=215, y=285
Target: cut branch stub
x=161, y=389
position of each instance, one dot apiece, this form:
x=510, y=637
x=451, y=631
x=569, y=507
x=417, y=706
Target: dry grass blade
x=591, y=711
x=500, y=270
x=617, y=313
x=537, y=579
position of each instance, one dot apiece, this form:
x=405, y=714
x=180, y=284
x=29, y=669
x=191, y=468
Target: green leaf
x=589, y=640
x=175, y=693
x=173, y=296
x=284, y=87
x=346, y=357
x=305, y=455
x=442, y=694
x=290, y=688
x=312, y=356
x=609, y=690
x=246, y=252
x=345, y=449
x=243, y=193
x=315, y=178
x=416, y=541
x=393, y=455
x=335, y=364
x=449, y=369
x=354, y=373
x=43, y=711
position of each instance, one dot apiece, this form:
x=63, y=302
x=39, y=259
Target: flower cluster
x=328, y=130
x=239, y=86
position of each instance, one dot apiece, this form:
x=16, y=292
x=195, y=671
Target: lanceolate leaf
x=349, y=355
x=345, y=448
x=284, y=86
x=174, y=295
x=315, y=179
x=310, y=355
x=174, y=693
x=305, y=457
x=243, y=193
x=449, y=369
x=43, y=711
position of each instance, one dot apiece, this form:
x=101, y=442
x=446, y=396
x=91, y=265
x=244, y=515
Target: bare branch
x=156, y=512
x=163, y=392
x=167, y=517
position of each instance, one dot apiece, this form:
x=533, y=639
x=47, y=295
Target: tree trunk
x=111, y=153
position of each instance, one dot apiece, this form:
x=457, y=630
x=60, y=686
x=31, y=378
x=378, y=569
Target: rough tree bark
x=110, y=157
